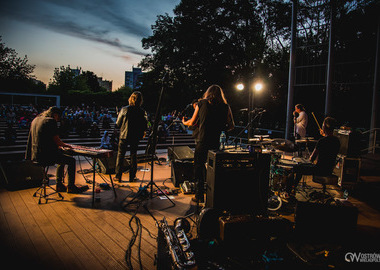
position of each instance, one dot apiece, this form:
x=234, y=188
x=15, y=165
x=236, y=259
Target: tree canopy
x=226, y=41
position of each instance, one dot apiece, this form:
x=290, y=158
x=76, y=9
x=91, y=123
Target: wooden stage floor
x=71, y=234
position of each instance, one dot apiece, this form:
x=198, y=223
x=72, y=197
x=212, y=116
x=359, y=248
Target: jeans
x=123, y=147
x=62, y=160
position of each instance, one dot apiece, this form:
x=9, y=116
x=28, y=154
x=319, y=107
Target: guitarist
x=132, y=121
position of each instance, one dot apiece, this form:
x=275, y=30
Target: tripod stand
x=152, y=152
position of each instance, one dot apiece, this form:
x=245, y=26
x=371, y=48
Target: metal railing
x=373, y=144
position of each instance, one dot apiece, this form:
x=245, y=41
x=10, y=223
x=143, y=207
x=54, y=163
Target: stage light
x=259, y=86
x=240, y=86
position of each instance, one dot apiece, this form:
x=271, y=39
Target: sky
x=102, y=36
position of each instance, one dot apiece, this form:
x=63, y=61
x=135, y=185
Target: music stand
x=153, y=143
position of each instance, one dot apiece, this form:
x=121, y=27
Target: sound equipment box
x=349, y=142
x=17, y=175
x=181, y=153
x=182, y=164
x=238, y=182
x=324, y=222
x=107, y=165
x=243, y=228
x=348, y=171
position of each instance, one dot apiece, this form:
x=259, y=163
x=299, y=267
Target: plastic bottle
x=345, y=194
x=222, y=140
x=97, y=195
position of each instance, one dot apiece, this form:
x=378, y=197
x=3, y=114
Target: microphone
x=165, y=77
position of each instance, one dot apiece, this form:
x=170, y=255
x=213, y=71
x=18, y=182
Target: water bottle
x=345, y=194
x=97, y=195
x=222, y=140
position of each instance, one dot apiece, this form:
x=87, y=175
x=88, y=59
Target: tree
x=205, y=42
x=63, y=80
x=12, y=66
x=16, y=73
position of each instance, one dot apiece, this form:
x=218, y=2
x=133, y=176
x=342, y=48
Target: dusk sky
x=102, y=36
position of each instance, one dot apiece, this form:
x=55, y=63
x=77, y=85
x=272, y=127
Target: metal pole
x=375, y=96
x=330, y=62
x=292, y=61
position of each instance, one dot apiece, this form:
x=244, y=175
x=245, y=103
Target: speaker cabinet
x=19, y=175
x=349, y=142
x=348, y=171
x=108, y=165
x=182, y=164
x=238, y=182
x=181, y=153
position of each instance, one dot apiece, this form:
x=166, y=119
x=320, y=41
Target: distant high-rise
x=133, y=78
x=105, y=84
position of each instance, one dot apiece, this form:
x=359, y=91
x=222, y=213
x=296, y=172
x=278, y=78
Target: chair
x=324, y=181
x=41, y=191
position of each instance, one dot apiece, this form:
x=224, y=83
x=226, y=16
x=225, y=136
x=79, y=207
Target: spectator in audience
x=105, y=141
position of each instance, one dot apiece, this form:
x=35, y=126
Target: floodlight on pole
x=240, y=86
x=258, y=86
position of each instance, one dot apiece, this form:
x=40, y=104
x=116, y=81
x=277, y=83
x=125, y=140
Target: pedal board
x=188, y=187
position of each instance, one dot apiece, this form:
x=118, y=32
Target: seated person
x=105, y=141
x=44, y=147
x=325, y=153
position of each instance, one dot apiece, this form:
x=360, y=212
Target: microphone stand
x=246, y=127
x=152, y=150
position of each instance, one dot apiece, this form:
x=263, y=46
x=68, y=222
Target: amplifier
x=238, y=182
x=349, y=142
x=348, y=171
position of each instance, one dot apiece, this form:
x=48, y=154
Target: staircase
x=16, y=151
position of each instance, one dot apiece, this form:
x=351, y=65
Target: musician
x=132, y=121
x=300, y=120
x=213, y=115
x=194, y=128
x=325, y=153
x=44, y=146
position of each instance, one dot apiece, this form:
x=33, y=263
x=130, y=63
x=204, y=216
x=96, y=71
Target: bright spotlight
x=258, y=86
x=240, y=86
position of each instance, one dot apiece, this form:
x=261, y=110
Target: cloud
x=108, y=22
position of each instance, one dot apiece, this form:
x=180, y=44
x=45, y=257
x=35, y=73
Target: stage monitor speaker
x=180, y=152
x=19, y=175
x=182, y=170
x=182, y=164
x=324, y=222
x=349, y=142
x=238, y=182
x=108, y=165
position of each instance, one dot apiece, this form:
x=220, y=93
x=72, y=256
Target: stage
x=72, y=234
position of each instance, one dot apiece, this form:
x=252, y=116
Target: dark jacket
x=41, y=146
x=132, y=122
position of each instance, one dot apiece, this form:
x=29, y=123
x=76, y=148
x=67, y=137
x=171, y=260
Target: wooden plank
x=83, y=229
x=46, y=254
x=44, y=221
x=22, y=242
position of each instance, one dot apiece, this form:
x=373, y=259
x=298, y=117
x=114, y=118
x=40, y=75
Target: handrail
x=372, y=146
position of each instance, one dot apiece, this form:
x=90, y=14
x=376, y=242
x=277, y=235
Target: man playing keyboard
x=44, y=146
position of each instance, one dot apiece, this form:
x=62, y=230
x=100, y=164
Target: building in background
x=105, y=84
x=133, y=78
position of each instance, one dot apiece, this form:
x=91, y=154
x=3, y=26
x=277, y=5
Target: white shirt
x=301, y=124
